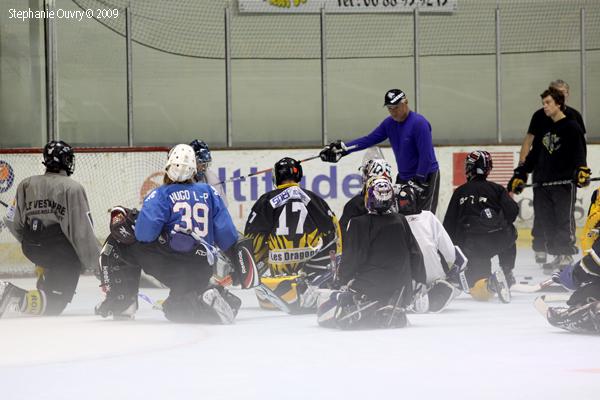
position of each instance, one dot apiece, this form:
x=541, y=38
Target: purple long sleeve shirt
x=411, y=142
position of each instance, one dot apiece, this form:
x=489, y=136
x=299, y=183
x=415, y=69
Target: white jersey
x=432, y=237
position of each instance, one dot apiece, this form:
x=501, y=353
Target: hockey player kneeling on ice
x=442, y=282
x=480, y=220
x=172, y=239
x=583, y=313
x=50, y=216
x=295, y=234
x=380, y=261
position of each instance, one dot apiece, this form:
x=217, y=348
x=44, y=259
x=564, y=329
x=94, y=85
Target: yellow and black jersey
x=592, y=224
x=293, y=228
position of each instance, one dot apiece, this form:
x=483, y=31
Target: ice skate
x=497, y=283
x=541, y=257
x=559, y=262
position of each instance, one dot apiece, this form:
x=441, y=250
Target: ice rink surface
x=471, y=350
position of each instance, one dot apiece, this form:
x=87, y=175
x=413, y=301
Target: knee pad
x=480, y=291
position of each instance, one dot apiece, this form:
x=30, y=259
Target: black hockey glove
x=421, y=188
x=333, y=152
x=516, y=184
x=582, y=176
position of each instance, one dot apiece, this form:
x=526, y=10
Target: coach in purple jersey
x=409, y=134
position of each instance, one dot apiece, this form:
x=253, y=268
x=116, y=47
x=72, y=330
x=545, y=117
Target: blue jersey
x=411, y=142
x=184, y=207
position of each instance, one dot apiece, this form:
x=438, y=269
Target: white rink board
x=123, y=178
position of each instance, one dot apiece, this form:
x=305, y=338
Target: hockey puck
x=528, y=278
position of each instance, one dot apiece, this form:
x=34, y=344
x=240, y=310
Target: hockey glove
x=516, y=184
x=420, y=188
x=333, y=152
x=582, y=176
x=566, y=277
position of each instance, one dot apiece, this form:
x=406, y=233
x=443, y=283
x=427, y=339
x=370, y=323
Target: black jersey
x=479, y=207
x=558, y=153
x=292, y=228
x=353, y=208
x=541, y=123
x=381, y=255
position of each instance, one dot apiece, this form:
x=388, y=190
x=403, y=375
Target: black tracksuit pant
x=554, y=208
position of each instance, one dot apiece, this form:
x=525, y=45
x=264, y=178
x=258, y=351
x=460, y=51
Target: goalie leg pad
x=207, y=307
x=284, y=287
x=12, y=298
x=583, y=319
x=120, y=281
x=440, y=295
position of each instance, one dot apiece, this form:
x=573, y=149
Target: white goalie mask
x=181, y=165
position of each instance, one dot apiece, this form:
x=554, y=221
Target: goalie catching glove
x=122, y=224
x=333, y=152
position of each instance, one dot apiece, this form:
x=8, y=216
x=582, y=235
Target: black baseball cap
x=393, y=97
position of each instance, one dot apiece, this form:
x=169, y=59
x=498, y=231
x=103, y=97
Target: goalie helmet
x=58, y=156
x=377, y=167
x=287, y=169
x=379, y=196
x=478, y=162
x=181, y=165
x=406, y=199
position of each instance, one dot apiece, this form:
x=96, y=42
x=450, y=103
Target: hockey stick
x=557, y=183
x=156, y=305
x=395, y=307
x=521, y=288
x=264, y=171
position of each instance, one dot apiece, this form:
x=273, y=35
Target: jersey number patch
x=198, y=213
x=283, y=229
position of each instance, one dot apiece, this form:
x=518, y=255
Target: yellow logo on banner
x=286, y=3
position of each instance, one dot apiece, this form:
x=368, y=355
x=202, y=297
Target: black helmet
x=58, y=155
x=286, y=169
x=202, y=151
x=406, y=199
x=478, y=162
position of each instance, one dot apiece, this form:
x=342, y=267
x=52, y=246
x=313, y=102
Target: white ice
x=470, y=351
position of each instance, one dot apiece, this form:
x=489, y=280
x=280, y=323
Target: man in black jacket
x=541, y=124
x=558, y=162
